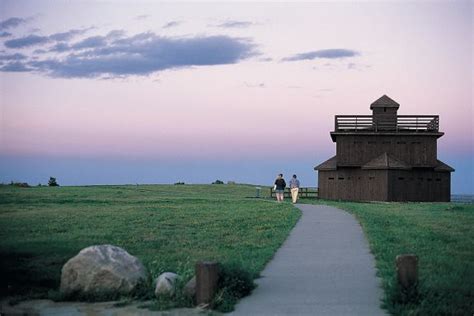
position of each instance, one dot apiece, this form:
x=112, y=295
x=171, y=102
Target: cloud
x=171, y=24
x=65, y=36
x=333, y=53
x=15, y=67
x=142, y=17
x=26, y=41
x=32, y=40
x=8, y=57
x=12, y=22
x=5, y=34
x=235, y=24
x=91, y=42
x=141, y=54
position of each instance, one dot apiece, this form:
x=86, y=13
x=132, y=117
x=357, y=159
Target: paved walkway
x=323, y=268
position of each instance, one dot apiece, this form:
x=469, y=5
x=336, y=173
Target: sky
x=116, y=92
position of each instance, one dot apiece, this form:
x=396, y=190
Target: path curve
x=323, y=268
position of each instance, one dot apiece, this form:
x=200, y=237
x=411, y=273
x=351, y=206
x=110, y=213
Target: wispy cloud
x=141, y=54
x=171, y=24
x=333, y=53
x=15, y=67
x=142, y=17
x=235, y=24
x=34, y=40
x=12, y=22
x=9, y=57
x=27, y=41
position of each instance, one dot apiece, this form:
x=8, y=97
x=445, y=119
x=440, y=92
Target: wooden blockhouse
x=385, y=157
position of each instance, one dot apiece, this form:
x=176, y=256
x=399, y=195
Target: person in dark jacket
x=279, y=187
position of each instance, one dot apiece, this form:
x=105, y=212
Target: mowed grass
x=168, y=227
x=440, y=234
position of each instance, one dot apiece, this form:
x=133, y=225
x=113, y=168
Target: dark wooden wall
x=384, y=185
x=419, y=185
x=353, y=184
x=416, y=150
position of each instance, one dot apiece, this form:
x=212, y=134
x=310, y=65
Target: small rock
x=166, y=284
x=103, y=269
x=190, y=288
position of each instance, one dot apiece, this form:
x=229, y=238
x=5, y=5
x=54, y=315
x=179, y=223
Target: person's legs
x=294, y=195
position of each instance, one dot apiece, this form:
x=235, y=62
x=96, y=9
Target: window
x=401, y=178
x=386, y=142
x=417, y=143
x=401, y=143
x=438, y=179
x=331, y=178
x=429, y=179
x=371, y=178
x=420, y=179
x=357, y=142
x=372, y=142
x=340, y=178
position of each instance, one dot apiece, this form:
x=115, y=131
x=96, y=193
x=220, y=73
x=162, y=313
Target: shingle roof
x=385, y=161
x=384, y=102
x=443, y=167
x=330, y=164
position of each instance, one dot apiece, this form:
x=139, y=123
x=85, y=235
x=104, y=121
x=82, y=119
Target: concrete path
x=324, y=268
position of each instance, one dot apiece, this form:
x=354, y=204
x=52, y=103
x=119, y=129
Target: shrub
x=234, y=283
x=52, y=182
x=20, y=184
x=179, y=183
x=218, y=182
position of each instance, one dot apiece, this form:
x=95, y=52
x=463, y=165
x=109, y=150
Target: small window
x=417, y=143
x=340, y=178
x=371, y=178
x=401, y=178
x=358, y=178
x=401, y=143
x=385, y=109
x=420, y=179
x=372, y=142
x=438, y=179
x=357, y=142
x=429, y=179
x=331, y=178
x=386, y=142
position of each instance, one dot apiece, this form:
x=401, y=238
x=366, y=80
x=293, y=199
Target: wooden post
x=407, y=270
x=207, y=274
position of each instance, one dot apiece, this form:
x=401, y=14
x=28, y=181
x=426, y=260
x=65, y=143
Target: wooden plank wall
x=357, y=150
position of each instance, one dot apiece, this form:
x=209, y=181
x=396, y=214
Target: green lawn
x=441, y=234
x=169, y=227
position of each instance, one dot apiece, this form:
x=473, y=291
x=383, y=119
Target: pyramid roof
x=441, y=166
x=385, y=161
x=384, y=102
x=330, y=164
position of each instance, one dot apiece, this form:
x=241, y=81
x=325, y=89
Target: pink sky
x=420, y=54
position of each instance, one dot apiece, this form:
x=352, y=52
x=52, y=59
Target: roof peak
x=384, y=102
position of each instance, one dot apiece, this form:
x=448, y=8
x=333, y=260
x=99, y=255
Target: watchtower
x=385, y=157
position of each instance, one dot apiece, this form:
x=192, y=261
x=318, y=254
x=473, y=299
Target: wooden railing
x=403, y=123
x=303, y=192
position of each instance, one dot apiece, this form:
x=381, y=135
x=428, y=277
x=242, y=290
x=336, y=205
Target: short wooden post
x=207, y=274
x=407, y=270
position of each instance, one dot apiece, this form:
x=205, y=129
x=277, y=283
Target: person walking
x=279, y=187
x=294, y=188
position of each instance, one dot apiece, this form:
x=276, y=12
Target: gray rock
x=166, y=284
x=190, y=288
x=102, y=270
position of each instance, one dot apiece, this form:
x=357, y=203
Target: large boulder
x=166, y=284
x=190, y=288
x=101, y=271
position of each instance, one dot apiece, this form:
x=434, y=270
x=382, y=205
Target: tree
x=52, y=182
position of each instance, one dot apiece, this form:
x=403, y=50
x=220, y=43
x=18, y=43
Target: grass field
x=441, y=234
x=168, y=227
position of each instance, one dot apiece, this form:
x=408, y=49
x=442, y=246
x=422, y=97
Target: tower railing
x=400, y=123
